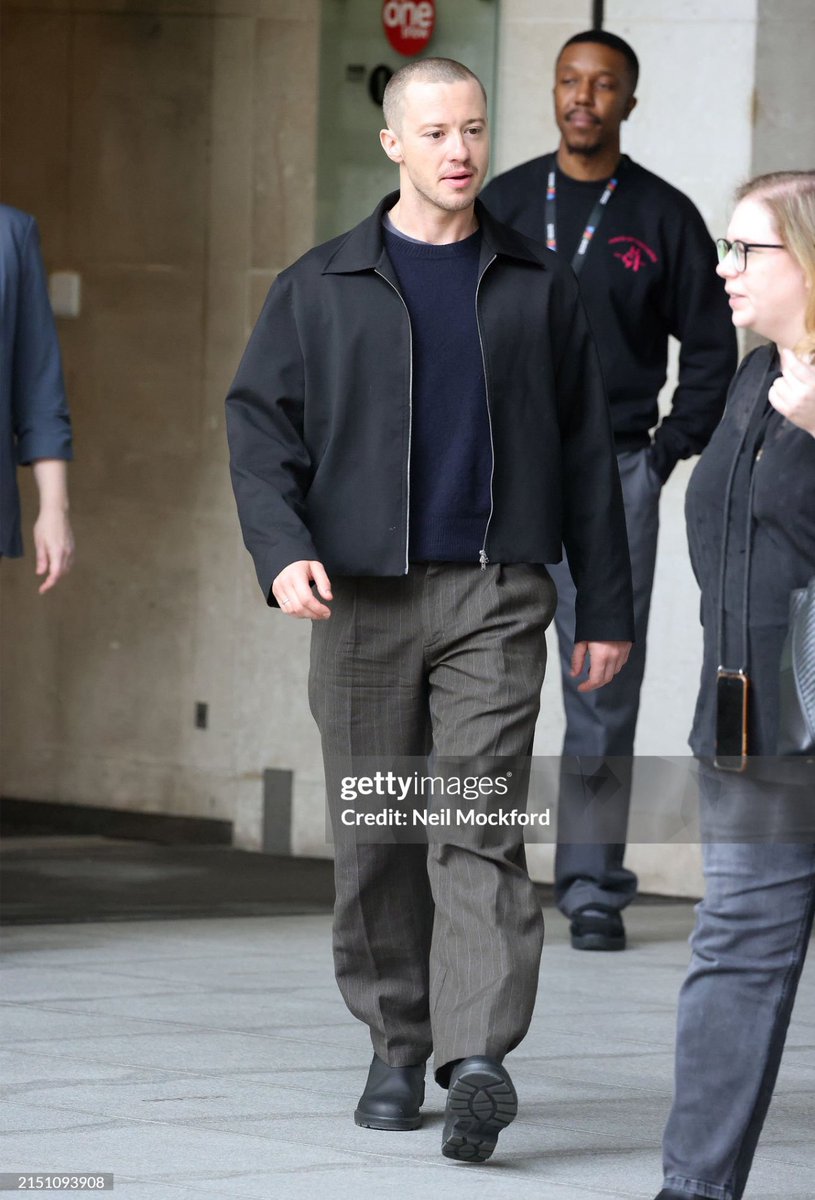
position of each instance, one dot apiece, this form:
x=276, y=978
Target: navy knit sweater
x=451, y=455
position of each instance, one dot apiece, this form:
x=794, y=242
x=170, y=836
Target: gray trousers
x=435, y=946
x=749, y=945
x=602, y=723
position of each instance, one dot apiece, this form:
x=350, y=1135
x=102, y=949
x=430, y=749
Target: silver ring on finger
x=283, y=603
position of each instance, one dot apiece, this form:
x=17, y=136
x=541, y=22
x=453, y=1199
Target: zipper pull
x=482, y=558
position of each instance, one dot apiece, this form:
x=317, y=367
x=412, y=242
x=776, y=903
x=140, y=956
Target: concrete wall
x=168, y=151
x=784, y=122
x=175, y=145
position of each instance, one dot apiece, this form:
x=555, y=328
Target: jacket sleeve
x=594, y=530
x=698, y=315
x=518, y=198
x=269, y=462
x=498, y=198
x=41, y=424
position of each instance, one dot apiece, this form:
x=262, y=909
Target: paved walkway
x=214, y=1057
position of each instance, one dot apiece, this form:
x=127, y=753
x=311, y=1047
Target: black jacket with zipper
x=319, y=421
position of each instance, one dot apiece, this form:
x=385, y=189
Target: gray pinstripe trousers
x=436, y=947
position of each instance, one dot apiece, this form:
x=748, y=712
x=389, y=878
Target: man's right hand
x=292, y=590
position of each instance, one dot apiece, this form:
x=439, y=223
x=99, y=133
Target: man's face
x=593, y=96
x=442, y=144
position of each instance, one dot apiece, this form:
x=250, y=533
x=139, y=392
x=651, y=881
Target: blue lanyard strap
x=595, y=217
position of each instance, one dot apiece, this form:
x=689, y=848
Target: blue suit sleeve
x=41, y=423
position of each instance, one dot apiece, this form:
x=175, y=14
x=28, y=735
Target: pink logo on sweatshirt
x=636, y=255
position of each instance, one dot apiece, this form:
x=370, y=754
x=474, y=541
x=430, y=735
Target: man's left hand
x=793, y=395
x=605, y=660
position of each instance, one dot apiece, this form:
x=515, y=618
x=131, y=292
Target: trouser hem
x=442, y=1073
x=576, y=898
x=404, y=1056
x=698, y=1187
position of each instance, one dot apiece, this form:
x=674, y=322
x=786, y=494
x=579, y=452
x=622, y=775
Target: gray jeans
x=602, y=723
x=749, y=944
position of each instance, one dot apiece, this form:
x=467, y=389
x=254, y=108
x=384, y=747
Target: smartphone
x=732, y=689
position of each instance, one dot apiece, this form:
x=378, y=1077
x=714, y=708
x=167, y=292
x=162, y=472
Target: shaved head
x=424, y=70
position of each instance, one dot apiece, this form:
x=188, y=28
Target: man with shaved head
x=417, y=425
x=646, y=268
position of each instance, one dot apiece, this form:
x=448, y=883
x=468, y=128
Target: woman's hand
x=793, y=395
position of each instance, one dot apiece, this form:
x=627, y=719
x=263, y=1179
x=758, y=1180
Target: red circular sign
x=409, y=24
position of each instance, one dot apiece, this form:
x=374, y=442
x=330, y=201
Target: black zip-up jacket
x=319, y=421
x=650, y=272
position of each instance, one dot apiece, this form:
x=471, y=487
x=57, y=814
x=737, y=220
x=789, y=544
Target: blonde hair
x=429, y=70
x=790, y=198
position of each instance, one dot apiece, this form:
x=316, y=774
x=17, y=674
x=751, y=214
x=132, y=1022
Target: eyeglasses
x=739, y=251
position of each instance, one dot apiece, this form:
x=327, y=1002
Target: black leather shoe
x=392, y=1098
x=481, y=1101
x=670, y=1194
x=597, y=928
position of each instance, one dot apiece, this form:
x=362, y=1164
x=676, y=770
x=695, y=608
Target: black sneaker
x=481, y=1101
x=596, y=928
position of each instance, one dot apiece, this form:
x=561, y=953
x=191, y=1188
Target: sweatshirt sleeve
x=42, y=426
x=269, y=461
x=698, y=315
x=594, y=530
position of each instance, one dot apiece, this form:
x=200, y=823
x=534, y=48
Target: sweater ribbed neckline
x=411, y=249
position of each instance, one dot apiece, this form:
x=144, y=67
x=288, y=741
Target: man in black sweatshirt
x=646, y=269
x=417, y=425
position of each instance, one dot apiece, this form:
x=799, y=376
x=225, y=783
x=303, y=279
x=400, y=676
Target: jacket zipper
x=410, y=417
x=482, y=554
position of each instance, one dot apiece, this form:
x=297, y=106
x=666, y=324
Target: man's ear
x=391, y=145
x=629, y=108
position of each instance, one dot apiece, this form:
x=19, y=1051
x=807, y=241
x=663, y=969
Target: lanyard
x=756, y=426
x=595, y=217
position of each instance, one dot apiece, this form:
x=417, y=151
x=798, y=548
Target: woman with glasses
x=751, y=527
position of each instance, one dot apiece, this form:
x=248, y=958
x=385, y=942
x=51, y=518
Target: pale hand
x=606, y=659
x=292, y=590
x=793, y=394
x=54, y=546
x=53, y=538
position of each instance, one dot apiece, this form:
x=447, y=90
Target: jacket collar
x=363, y=249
